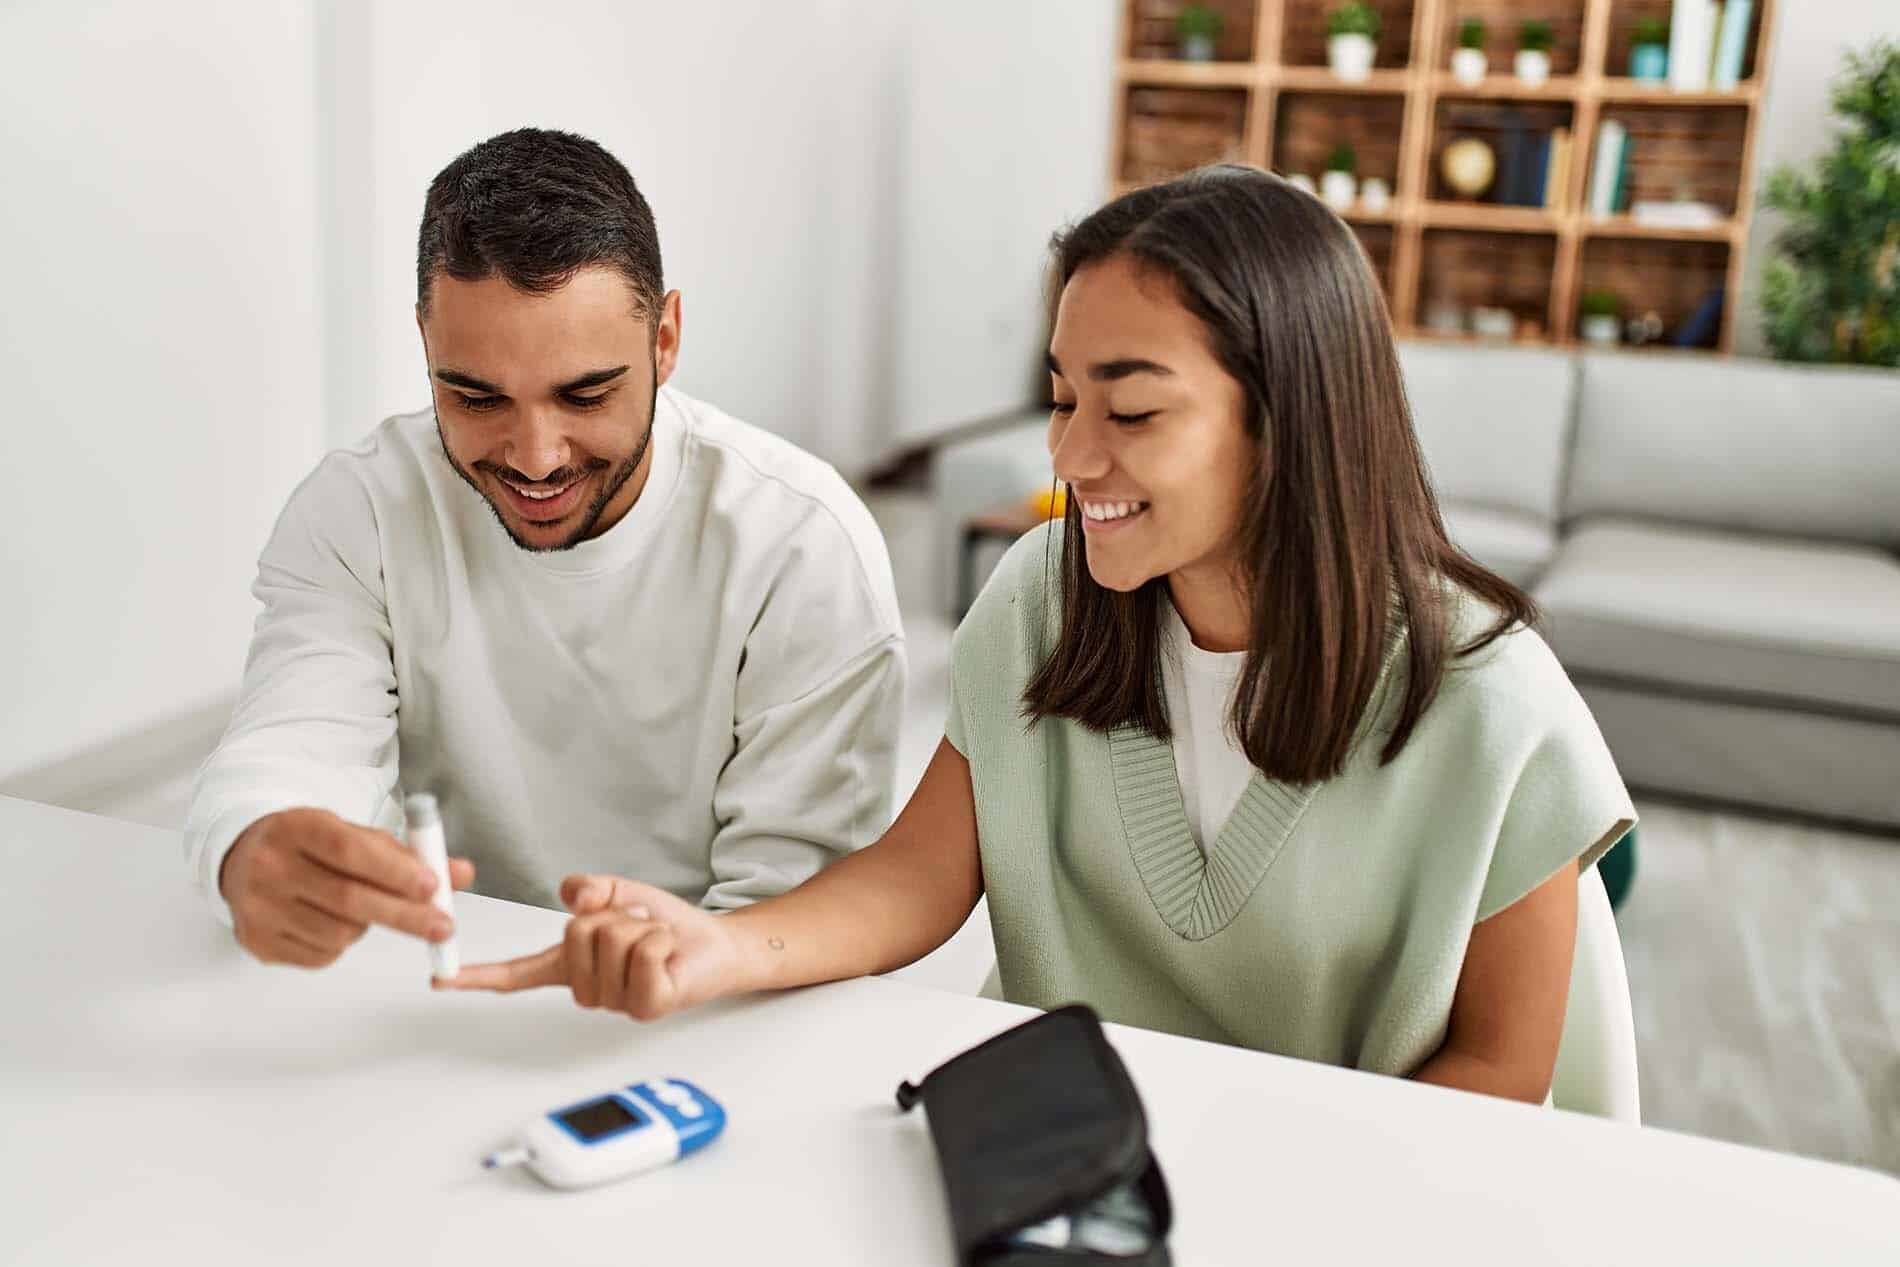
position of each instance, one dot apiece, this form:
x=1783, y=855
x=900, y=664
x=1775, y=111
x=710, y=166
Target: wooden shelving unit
x=1270, y=100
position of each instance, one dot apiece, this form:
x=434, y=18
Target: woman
x=1247, y=750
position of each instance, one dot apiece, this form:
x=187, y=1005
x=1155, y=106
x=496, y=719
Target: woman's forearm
x=1467, y=1072
x=883, y=907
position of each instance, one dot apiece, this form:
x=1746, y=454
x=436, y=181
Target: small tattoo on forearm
x=776, y=943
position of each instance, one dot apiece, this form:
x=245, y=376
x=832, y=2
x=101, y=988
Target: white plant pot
x=1468, y=66
x=1375, y=194
x=1300, y=180
x=1350, y=56
x=1601, y=330
x=1338, y=189
x=1533, y=67
x=1197, y=48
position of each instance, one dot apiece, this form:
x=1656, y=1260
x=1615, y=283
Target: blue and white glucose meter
x=640, y=1127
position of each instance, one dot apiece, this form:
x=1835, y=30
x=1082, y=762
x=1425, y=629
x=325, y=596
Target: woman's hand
x=629, y=948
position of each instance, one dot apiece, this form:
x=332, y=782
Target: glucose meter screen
x=601, y=1117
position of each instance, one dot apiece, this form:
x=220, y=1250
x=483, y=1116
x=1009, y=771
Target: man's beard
x=595, y=508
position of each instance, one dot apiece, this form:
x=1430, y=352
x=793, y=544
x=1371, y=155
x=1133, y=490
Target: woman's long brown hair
x=1341, y=534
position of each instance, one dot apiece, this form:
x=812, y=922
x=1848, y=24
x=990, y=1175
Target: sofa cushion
x=1806, y=451
x=1739, y=617
x=1494, y=422
x=1511, y=543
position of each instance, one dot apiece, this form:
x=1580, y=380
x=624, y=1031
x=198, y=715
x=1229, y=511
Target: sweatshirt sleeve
x=817, y=707
x=315, y=722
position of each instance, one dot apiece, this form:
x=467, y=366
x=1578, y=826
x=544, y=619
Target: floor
x=1764, y=958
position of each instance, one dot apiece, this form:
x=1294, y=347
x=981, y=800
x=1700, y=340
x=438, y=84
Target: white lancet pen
x=425, y=838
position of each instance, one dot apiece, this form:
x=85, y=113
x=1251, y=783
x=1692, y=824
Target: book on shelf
x=1731, y=43
x=1676, y=215
x=1691, y=44
x=1608, y=170
x=1557, y=169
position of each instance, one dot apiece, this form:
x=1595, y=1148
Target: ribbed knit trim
x=1196, y=894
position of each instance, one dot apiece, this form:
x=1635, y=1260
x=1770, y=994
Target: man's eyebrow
x=594, y=378
x=1110, y=371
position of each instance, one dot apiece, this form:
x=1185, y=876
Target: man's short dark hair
x=536, y=207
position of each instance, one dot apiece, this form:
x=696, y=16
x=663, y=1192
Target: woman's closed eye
x=1064, y=408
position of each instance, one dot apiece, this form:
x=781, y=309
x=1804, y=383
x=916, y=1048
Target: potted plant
x=1198, y=27
x=1534, y=40
x=1468, y=62
x=1649, y=50
x=1601, y=324
x=1831, y=288
x=1339, y=186
x=1351, y=30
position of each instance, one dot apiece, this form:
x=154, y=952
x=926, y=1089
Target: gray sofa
x=1713, y=543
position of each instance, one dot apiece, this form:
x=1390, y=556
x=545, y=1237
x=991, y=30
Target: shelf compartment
x=1489, y=218
x=1303, y=38
x=1504, y=19
x=1168, y=131
x=1679, y=151
x=1152, y=35
x=1308, y=125
x=1495, y=123
x=1471, y=269
x=1671, y=279
x=1625, y=14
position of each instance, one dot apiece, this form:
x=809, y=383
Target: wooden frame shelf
x=1269, y=101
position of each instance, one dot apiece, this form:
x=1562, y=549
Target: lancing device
x=428, y=843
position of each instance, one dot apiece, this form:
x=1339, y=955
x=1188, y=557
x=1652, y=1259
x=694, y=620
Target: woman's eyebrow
x=1109, y=371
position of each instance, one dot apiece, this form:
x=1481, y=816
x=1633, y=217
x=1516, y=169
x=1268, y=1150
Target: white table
x=164, y=1099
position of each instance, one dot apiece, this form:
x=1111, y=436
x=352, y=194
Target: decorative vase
x=1650, y=62
x=1601, y=330
x=1374, y=194
x=1468, y=66
x=1533, y=66
x=1338, y=189
x=1350, y=56
x=1197, y=48
x=1300, y=180
x=1468, y=166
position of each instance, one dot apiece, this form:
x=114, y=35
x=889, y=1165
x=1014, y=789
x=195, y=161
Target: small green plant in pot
x=1198, y=27
x=1534, y=42
x=1600, y=318
x=1352, y=31
x=1649, y=51
x=1469, y=65
x=1339, y=186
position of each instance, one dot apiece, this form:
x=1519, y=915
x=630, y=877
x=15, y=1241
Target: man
x=609, y=627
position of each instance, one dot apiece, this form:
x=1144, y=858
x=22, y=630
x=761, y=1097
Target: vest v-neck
x=1196, y=894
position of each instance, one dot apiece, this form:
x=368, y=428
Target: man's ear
x=666, y=339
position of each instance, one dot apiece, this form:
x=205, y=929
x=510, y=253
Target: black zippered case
x=1043, y=1146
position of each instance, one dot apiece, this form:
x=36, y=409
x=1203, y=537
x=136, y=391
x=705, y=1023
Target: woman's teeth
x=1112, y=510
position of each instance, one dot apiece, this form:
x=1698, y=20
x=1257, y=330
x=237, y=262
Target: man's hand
x=304, y=884
x=629, y=948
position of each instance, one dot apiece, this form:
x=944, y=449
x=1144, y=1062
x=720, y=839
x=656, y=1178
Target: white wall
x=1007, y=140
x=158, y=350
x=1811, y=37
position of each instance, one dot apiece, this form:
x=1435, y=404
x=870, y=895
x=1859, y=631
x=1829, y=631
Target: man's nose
x=537, y=448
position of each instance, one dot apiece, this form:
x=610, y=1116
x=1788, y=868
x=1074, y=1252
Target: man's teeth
x=538, y=495
x=1111, y=510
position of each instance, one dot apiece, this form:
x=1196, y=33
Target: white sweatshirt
x=705, y=697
